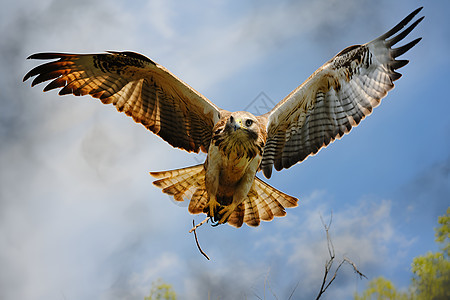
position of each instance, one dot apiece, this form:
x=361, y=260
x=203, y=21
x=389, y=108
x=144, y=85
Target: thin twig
x=199, y=224
x=293, y=291
x=329, y=242
x=334, y=276
x=270, y=289
x=361, y=275
x=329, y=263
x=324, y=281
x=196, y=239
x=256, y=295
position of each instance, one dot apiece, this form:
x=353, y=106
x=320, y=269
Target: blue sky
x=80, y=219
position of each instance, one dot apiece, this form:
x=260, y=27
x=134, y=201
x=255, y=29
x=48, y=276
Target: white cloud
x=160, y=15
x=139, y=283
x=364, y=233
x=236, y=279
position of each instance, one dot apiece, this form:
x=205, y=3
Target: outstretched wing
x=334, y=99
x=137, y=86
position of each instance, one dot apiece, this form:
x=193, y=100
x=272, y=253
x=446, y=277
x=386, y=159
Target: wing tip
x=267, y=171
x=47, y=55
x=26, y=77
x=397, y=64
x=402, y=24
x=42, y=56
x=403, y=49
x=394, y=40
x=133, y=54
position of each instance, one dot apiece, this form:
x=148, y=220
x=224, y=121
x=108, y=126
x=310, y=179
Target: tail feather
x=236, y=219
x=265, y=212
x=263, y=202
x=251, y=214
x=265, y=189
x=198, y=201
x=184, y=184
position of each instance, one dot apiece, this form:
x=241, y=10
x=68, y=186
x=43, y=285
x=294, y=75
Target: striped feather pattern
x=263, y=202
x=335, y=98
x=183, y=184
x=137, y=86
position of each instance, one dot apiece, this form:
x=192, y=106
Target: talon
x=214, y=223
x=219, y=214
x=224, y=218
x=213, y=207
x=225, y=213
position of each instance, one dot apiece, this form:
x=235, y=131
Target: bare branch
x=329, y=263
x=256, y=295
x=199, y=224
x=195, y=234
x=293, y=291
x=334, y=276
x=266, y=283
x=355, y=268
x=324, y=281
x=271, y=291
x=329, y=242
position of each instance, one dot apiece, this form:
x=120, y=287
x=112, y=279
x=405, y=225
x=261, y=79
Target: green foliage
x=431, y=273
x=443, y=233
x=381, y=288
x=431, y=278
x=161, y=291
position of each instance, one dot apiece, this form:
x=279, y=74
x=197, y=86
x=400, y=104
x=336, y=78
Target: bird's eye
x=248, y=123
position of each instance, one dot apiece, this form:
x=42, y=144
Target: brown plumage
x=332, y=101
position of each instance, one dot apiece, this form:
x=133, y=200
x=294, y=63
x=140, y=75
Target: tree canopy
x=430, y=273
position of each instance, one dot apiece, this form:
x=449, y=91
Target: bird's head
x=242, y=123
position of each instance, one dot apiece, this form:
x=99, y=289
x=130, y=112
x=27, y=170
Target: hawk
x=332, y=101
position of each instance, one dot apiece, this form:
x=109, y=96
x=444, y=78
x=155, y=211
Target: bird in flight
x=333, y=100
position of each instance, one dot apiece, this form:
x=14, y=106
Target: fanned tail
x=184, y=184
x=263, y=202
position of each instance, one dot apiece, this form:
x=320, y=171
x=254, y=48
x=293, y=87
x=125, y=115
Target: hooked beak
x=236, y=124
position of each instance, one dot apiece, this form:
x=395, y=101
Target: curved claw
x=215, y=223
x=226, y=212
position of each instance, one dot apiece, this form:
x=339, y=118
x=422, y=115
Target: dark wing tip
x=417, y=10
x=33, y=72
x=267, y=171
x=133, y=55
x=42, y=56
x=48, y=55
x=26, y=77
x=397, y=64
x=401, y=50
x=401, y=24
x=395, y=76
x=394, y=40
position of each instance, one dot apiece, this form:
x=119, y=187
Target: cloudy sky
x=80, y=219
